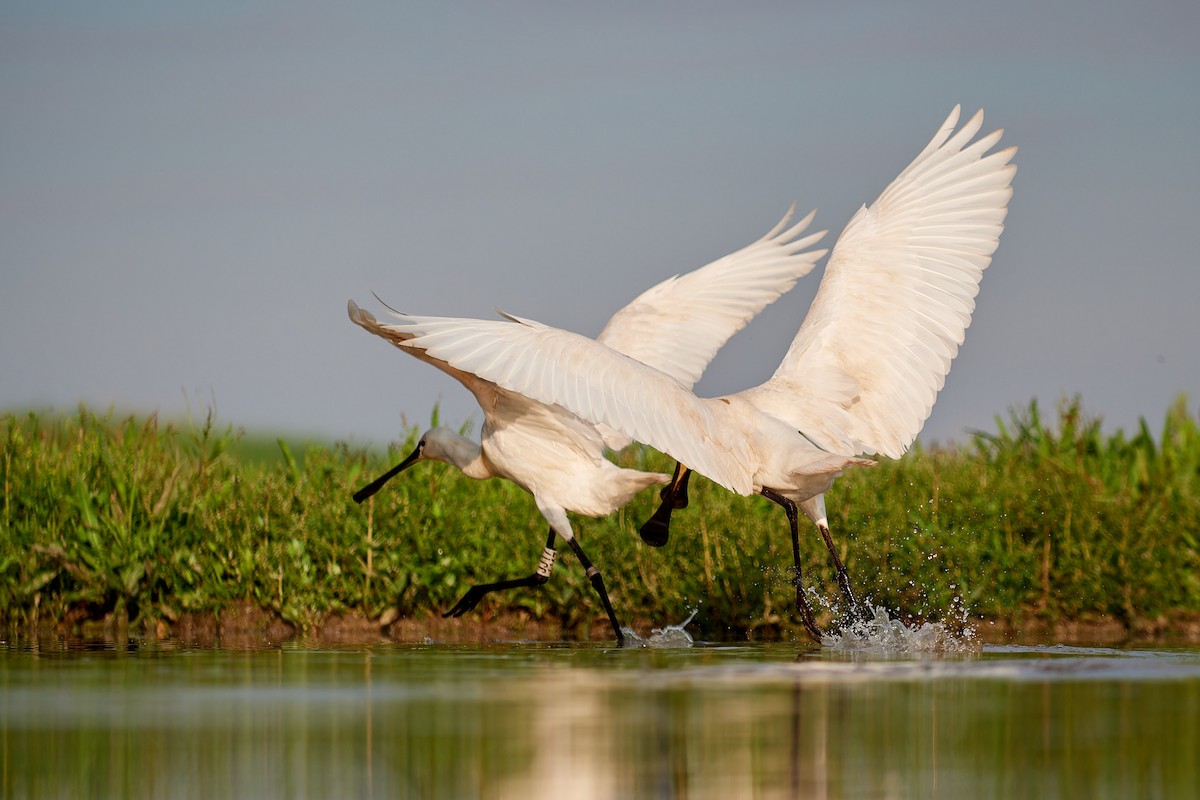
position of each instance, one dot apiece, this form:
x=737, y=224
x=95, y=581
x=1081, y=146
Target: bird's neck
x=468, y=457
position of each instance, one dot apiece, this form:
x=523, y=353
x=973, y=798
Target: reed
x=136, y=520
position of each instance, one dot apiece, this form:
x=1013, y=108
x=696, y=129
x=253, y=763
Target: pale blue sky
x=189, y=193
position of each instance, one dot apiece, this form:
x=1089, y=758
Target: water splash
x=670, y=636
x=884, y=634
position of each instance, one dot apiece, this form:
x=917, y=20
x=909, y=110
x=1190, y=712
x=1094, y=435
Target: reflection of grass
x=140, y=520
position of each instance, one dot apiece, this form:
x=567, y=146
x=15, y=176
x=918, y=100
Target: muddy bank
x=247, y=626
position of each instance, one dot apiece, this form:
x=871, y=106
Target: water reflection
x=531, y=721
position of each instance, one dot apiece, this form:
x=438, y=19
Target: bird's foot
x=675, y=492
x=675, y=496
x=476, y=593
x=806, y=614
x=810, y=625
x=467, y=602
x=657, y=529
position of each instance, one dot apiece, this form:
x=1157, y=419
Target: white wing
x=583, y=376
x=865, y=368
x=484, y=391
x=678, y=325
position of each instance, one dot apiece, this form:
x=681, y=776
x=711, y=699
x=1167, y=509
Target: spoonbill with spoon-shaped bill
x=860, y=377
x=675, y=327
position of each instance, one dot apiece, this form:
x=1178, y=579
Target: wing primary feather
x=897, y=297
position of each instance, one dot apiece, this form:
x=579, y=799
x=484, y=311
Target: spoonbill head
x=558, y=456
x=438, y=444
x=859, y=379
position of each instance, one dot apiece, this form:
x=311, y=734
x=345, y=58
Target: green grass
x=132, y=519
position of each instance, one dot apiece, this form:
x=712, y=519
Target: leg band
x=547, y=562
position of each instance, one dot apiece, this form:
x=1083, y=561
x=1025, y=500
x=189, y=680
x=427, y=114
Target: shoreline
x=246, y=626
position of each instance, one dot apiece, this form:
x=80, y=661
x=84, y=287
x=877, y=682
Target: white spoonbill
x=676, y=327
x=859, y=379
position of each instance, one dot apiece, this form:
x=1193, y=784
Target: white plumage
x=859, y=379
x=676, y=326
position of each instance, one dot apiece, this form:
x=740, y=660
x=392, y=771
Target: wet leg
x=538, y=578
x=802, y=605
x=857, y=612
x=655, y=530
x=598, y=584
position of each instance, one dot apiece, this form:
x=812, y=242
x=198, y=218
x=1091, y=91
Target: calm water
x=575, y=720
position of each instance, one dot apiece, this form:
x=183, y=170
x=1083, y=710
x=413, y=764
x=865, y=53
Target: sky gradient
x=189, y=193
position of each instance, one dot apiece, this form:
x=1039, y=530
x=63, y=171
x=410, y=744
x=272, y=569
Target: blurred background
x=189, y=193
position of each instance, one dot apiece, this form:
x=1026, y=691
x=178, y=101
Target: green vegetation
x=134, y=520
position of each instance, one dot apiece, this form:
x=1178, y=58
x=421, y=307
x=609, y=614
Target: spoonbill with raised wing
x=860, y=377
x=675, y=327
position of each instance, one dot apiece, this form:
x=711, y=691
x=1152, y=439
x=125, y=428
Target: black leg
x=857, y=612
x=655, y=530
x=598, y=583
x=476, y=593
x=806, y=614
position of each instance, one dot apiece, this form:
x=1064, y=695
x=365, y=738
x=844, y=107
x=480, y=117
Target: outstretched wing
x=583, y=376
x=863, y=372
x=677, y=326
x=485, y=393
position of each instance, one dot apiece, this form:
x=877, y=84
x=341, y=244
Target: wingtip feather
x=358, y=315
x=779, y=226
